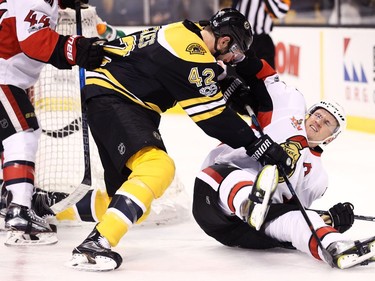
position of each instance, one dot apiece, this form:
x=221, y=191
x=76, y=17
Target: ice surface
x=183, y=252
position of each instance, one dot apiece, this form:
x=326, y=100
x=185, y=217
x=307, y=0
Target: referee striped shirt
x=261, y=12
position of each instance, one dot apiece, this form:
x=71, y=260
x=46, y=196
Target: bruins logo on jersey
x=293, y=147
x=195, y=49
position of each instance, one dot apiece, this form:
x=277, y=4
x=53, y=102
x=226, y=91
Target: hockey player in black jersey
x=143, y=75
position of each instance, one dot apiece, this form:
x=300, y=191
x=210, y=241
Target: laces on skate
x=94, y=254
x=25, y=228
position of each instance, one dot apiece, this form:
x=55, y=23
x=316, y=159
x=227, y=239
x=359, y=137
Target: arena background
x=325, y=51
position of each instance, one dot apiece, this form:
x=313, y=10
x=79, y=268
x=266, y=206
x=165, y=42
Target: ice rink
x=183, y=252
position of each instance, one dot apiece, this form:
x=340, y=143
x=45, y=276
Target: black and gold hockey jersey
x=161, y=66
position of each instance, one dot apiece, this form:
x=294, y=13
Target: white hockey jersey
x=27, y=39
x=285, y=125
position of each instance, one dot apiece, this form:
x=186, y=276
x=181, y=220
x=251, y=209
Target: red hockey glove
x=63, y=4
x=85, y=52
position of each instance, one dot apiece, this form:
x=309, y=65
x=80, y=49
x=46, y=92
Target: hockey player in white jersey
x=241, y=203
x=28, y=42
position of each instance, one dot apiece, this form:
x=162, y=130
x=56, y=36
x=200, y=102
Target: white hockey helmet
x=337, y=111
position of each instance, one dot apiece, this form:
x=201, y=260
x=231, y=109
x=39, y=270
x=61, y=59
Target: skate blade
x=347, y=261
x=19, y=238
x=268, y=179
x=83, y=263
x=267, y=182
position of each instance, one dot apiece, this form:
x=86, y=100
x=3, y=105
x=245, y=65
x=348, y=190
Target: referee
x=260, y=14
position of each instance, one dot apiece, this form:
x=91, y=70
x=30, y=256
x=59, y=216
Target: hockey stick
x=328, y=257
x=68, y=130
x=85, y=185
x=356, y=217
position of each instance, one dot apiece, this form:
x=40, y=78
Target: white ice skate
x=255, y=208
x=347, y=254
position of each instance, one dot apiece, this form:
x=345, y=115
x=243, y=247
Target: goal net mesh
x=60, y=158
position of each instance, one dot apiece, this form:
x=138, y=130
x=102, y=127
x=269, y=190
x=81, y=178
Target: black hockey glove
x=63, y=4
x=342, y=216
x=85, y=52
x=236, y=94
x=266, y=151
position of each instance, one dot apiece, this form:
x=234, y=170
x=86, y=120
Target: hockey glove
x=63, y=4
x=342, y=216
x=85, y=52
x=266, y=151
x=236, y=94
x=252, y=66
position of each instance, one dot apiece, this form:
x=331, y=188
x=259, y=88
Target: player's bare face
x=320, y=125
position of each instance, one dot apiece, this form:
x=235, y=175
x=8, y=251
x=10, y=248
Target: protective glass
x=239, y=54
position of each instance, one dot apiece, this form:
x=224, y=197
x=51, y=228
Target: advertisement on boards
x=331, y=63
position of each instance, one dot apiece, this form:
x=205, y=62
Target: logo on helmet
x=246, y=25
x=215, y=23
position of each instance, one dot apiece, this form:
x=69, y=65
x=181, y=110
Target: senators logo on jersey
x=293, y=147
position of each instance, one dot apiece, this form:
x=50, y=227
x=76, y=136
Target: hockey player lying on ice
x=241, y=203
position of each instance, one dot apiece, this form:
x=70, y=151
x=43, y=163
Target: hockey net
x=60, y=158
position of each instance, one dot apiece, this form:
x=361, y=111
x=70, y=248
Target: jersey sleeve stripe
x=207, y=115
x=201, y=108
x=200, y=100
x=40, y=45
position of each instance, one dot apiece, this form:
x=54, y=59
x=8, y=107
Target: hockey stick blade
x=68, y=130
x=72, y=199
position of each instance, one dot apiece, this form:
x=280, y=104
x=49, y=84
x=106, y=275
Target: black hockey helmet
x=230, y=22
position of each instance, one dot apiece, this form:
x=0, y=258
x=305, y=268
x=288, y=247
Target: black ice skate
x=25, y=228
x=95, y=254
x=347, y=254
x=43, y=200
x=4, y=199
x=255, y=208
